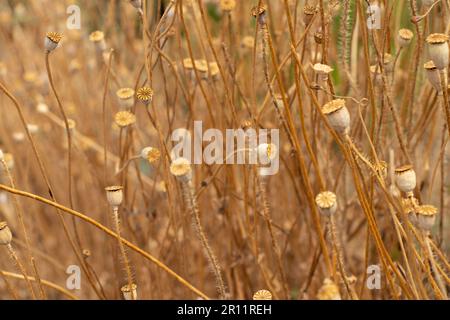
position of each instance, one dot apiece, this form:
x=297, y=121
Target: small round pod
x=227, y=5
x=202, y=67
x=126, y=97
x=404, y=37
x=214, y=70
x=129, y=293
x=259, y=13
x=114, y=195
x=337, y=115
x=98, y=38
x=438, y=49
x=124, y=118
x=405, y=178
x=426, y=217
x=188, y=64
x=267, y=152
x=262, y=295
x=388, y=62
x=52, y=40
x=181, y=169
x=329, y=291
x=308, y=14
x=322, y=70
x=433, y=76
x=150, y=154
x=327, y=203
x=145, y=95
x=375, y=71
x=5, y=234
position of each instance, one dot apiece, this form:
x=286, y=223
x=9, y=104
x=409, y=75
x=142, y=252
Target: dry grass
x=353, y=105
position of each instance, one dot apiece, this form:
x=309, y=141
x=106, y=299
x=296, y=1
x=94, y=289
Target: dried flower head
x=124, y=118
x=52, y=40
x=337, y=114
x=5, y=234
x=438, y=49
x=328, y=291
x=98, y=38
x=181, y=169
x=214, y=69
x=114, y=195
x=322, y=70
x=267, y=152
x=262, y=295
x=150, y=154
x=129, y=293
x=308, y=12
x=145, y=95
x=259, y=12
x=405, y=178
x=126, y=97
x=404, y=37
x=227, y=5
x=248, y=42
x=188, y=64
x=327, y=202
x=432, y=73
x=426, y=217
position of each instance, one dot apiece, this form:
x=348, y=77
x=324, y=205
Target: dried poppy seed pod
x=405, y=178
x=259, y=12
x=5, y=234
x=376, y=73
x=327, y=203
x=426, y=217
x=124, y=118
x=129, y=294
x=145, y=95
x=404, y=37
x=42, y=108
x=433, y=76
x=126, y=97
x=262, y=295
x=308, y=14
x=388, y=62
x=328, y=291
x=114, y=195
x=318, y=36
x=214, y=70
x=408, y=208
x=150, y=154
x=181, y=169
x=322, y=70
x=337, y=115
x=267, y=152
x=98, y=38
x=202, y=67
x=52, y=40
x=438, y=49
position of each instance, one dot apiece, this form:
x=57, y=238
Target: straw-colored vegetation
x=88, y=178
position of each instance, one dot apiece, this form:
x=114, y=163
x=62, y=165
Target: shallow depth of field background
x=153, y=214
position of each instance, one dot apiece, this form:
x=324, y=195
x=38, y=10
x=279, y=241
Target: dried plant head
x=328, y=291
x=426, y=217
x=248, y=42
x=337, y=114
x=259, y=12
x=201, y=65
x=32, y=128
x=136, y=3
x=5, y=234
x=145, y=95
x=124, y=118
x=327, y=203
x=72, y=124
x=188, y=63
x=404, y=37
x=267, y=152
x=181, y=169
x=126, y=97
x=322, y=70
x=318, y=36
x=114, y=195
x=18, y=136
x=42, y=108
x=308, y=13
x=8, y=159
x=214, y=69
x=405, y=178
x=98, y=38
x=262, y=295
x=86, y=253
x=129, y=293
x=408, y=206
x=433, y=76
x=227, y=5
x=150, y=154
x=52, y=40
x=438, y=49
x=388, y=62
